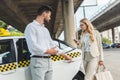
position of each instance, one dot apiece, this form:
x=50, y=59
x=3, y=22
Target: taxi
x=15, y=60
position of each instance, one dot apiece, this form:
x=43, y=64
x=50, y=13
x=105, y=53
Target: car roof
x=11, y=37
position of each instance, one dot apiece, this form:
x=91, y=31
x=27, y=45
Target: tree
x=106, y=40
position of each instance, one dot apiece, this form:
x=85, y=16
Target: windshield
x=63, y=46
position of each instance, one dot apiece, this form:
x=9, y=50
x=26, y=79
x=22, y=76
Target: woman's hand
x=76, y=41
x=101, y=63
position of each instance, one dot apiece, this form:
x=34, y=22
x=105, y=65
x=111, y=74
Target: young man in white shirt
x=41, y=45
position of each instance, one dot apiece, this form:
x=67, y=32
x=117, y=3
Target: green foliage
x=106, y=40
x=3, y=24
x=11, y=30
x=16, y=33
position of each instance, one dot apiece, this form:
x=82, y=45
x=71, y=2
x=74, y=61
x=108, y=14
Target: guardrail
x=102, y=9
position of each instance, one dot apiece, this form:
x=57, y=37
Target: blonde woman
x=91, y=46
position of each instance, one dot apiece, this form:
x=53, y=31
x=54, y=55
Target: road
x=112, y=61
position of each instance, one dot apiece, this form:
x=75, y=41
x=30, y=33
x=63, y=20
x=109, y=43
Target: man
x=41, y=45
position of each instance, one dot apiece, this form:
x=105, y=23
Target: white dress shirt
x=38, y=39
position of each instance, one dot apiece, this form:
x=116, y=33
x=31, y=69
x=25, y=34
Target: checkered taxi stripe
x=59, y=57
x=23, y=63
x=8, y=67
x=12, y=66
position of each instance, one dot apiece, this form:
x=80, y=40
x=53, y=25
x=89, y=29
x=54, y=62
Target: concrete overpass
x=19, y=13
x=108, y=18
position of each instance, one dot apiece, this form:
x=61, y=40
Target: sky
x=94, y=6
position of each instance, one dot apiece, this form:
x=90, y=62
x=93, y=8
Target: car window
x=23, y=52
x=56, y=43
x=65, y=47
x=7, y=51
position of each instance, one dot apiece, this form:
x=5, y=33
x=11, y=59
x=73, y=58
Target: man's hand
x=66, y=57
x=52, y=51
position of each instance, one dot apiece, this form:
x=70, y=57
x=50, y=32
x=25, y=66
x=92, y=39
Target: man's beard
x=46, y=21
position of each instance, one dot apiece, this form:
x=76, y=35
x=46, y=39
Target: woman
x=91, y=45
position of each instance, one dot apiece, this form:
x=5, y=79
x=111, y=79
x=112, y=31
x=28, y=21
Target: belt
x=36, y=56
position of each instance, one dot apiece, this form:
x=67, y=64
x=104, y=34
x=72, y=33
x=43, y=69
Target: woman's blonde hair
x=90, y=28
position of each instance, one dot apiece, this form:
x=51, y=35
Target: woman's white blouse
x=85, y=41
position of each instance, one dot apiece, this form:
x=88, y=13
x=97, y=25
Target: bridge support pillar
x=113, y=35
x=69, y=26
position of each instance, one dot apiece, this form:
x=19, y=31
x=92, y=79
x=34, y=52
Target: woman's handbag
x=103, y=74
x=79, y=76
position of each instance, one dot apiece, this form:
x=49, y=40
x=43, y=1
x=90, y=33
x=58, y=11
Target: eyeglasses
x=81, y=24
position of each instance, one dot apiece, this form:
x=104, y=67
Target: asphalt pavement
x=112, y=61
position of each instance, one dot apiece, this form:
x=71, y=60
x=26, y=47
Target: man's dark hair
x=44, y=8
